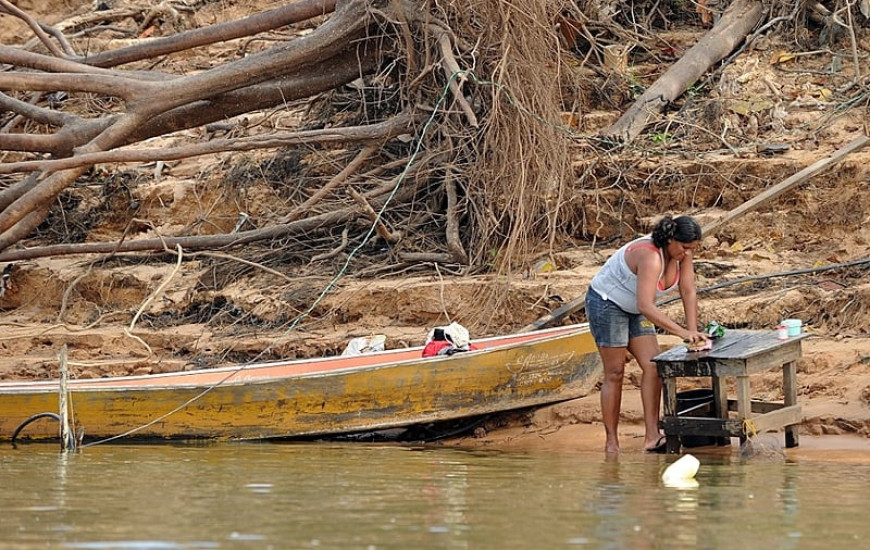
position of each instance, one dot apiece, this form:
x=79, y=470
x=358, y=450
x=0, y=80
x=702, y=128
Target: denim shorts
x=610, y=325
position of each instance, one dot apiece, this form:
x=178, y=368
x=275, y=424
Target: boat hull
x=317, y=397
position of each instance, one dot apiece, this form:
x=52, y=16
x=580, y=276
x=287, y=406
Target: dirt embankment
x=131, y=315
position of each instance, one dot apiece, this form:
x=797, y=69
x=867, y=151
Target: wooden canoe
x=336, y=395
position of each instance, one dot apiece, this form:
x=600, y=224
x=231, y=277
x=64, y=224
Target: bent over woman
x=623, y=316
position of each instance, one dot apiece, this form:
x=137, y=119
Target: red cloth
x=433, y=347
x=438, y=347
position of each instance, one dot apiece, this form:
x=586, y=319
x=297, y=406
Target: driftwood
x=740, y=18
x=578, y=304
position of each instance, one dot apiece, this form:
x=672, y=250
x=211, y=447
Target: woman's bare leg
x=644, y=348
x=613, y=360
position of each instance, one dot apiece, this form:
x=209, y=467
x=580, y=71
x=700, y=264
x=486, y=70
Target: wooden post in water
x=67, y=439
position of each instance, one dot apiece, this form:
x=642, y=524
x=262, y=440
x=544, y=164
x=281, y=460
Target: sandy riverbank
x=544, y=434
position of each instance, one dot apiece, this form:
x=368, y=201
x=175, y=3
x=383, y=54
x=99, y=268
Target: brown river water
x=370, y=497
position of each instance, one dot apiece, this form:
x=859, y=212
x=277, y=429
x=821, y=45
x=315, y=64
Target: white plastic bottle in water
x=681, y=471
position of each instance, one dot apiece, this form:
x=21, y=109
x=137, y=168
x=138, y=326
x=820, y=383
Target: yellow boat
x=314, y=397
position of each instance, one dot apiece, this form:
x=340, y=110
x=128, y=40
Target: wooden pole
x=67, y=439
x=577, y=304
x=787, y=184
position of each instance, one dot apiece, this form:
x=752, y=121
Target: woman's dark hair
x=683, y=228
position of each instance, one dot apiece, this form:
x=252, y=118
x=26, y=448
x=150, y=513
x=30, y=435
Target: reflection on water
x=140, y=497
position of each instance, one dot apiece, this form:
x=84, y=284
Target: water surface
x=326, y=495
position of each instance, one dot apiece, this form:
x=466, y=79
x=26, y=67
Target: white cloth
x=455, y=333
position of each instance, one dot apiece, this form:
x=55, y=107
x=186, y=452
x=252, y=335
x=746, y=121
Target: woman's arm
x=688, y=291
x=649, y=268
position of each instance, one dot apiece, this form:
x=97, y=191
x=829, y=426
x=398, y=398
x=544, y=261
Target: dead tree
x=155, y=104
x=474, y=144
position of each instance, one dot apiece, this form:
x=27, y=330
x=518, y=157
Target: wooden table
x=738, y=354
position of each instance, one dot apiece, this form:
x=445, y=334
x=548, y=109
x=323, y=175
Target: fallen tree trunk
x=732, y=28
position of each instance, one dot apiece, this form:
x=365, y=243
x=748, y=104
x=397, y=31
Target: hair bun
x=683, y=228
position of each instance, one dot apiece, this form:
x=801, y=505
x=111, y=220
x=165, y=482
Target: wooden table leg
x=744, y=405
x=789, y=389
x=720, y=406
x=669, y=398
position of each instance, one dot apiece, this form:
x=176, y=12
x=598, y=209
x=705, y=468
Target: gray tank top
x=616, y=282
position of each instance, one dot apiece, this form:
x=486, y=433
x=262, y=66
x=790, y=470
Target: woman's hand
x=695, y=337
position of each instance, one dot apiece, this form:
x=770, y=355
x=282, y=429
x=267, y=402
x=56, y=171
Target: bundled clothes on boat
x=447, y=340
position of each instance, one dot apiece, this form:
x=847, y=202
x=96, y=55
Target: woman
x=622, y=312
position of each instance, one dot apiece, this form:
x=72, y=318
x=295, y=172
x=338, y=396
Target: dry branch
x=8, y=195
x=328, y=40
x=426, y=257
x=36, y=113
x=455, y=75
x=339, y=179
x=335, y=251
x=380, y=226
x=268, y=20
x=327, y=74
x=454, y=243
x=39, y=62
x=34, y=25
x=785, y=185
x=401, y=124
x=320, y=222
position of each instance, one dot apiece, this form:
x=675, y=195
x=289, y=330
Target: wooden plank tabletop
x=735, y=344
